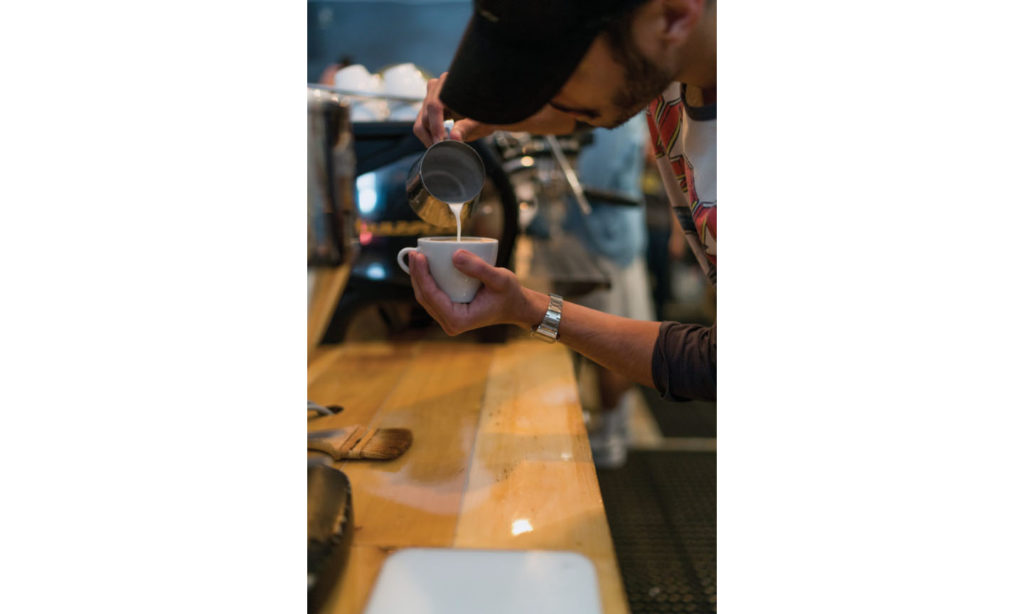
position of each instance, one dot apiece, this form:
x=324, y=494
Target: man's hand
x=500, y=300
x=619, y=344
x=429, y=126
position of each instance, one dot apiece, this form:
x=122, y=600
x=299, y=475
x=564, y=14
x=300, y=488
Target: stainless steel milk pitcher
x=449, y=172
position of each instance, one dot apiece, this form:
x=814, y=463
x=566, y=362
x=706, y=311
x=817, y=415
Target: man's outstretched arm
x=629, y=347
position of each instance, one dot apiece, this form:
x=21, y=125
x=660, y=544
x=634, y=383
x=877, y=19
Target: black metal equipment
x=328, y=530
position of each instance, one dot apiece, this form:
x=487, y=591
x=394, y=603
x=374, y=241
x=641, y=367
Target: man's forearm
x=616, y=343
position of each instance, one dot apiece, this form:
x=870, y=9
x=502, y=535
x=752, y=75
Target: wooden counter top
x=498, y=437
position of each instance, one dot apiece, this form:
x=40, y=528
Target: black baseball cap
x=517, y=54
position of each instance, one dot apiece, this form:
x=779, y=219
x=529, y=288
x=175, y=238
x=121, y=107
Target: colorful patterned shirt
x=685, y=144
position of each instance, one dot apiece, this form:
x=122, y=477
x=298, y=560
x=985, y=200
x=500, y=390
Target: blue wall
x=384, y=32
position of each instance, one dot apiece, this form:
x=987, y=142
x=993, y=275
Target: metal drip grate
x=661, y=510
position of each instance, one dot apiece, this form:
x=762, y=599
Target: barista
x=542, y=66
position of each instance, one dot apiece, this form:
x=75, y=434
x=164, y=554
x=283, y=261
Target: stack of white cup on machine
x=404, y=80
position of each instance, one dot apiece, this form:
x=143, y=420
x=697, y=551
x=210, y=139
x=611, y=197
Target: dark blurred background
x=383, y=32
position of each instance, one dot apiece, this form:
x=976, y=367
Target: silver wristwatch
x=547, y=330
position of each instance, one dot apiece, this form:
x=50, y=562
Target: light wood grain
x=498, y=437
x=359, y=378
x=532, y=484
x=417, y=496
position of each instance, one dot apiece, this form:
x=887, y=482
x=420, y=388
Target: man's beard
x=644, y=79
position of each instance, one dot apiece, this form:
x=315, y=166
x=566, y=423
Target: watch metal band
x=547, y=330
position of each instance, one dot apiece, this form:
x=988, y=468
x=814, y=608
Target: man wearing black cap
x=544, y=65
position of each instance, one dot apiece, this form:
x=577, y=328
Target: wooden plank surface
x=415, y=499
x=532, y=483
x=498, y=439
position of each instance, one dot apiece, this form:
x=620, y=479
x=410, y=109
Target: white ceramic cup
x=439, y=250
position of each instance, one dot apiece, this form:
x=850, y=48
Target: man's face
x=611, y=85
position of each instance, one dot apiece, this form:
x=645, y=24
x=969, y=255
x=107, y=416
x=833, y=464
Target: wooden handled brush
x=358, y=442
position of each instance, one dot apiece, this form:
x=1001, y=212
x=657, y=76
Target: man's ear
x=678, y=18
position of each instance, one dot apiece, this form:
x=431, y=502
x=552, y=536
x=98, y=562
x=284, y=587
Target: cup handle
x=401, y=258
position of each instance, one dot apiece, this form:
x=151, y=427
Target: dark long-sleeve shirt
x=684, y=362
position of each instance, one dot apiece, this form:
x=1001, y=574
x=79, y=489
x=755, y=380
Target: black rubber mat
x=661, y=510
x=689, y=419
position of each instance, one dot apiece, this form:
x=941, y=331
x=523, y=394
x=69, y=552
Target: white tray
x=452, y=581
